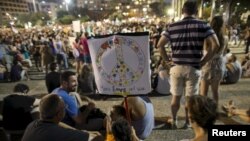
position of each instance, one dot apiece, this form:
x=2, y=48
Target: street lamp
x=170, y=12
x=34, y=5
x=117, y=7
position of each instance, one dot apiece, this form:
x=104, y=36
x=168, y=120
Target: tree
x=67, y=19
x=234, y=9
x=158, y=8
x=61, y=13
x=238, y=8
x=39, y=18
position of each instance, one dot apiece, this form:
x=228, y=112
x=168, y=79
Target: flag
x=121, y=63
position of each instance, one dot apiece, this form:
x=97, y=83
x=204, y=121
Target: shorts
x=87, y=59
x=212, y=75
x=213, y=71
x=80, y=58
x=184, y=79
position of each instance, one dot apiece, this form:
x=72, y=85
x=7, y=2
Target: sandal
x=228, y=108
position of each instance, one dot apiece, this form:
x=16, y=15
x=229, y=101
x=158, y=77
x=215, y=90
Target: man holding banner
x=187, y=37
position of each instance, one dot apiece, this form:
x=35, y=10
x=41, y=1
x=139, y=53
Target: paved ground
x=239, y=92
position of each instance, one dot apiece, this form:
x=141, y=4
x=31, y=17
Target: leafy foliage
x=158, y=8
x=67, y=19
x=39, y=18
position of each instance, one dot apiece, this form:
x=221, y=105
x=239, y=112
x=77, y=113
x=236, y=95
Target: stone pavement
x=238, y=92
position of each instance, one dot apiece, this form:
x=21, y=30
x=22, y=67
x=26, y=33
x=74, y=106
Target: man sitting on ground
x=19, y=109
x=52, y=109
x=52, y=79
x=74, y=117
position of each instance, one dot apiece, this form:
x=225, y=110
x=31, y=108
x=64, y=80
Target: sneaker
x=228, y=108
x=174, y=124
x=186, y=126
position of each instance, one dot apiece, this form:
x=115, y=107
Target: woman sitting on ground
x=18, y=72
x=86, y=82
x=233, y=70
x=161, y=82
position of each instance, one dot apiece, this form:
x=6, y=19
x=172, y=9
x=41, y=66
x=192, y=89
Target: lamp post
x=170, y=13
x=34, y=6
x=66, y=4
x=212, y=10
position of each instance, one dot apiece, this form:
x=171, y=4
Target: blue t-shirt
x=71, y=105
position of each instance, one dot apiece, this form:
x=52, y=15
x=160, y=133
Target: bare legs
x=214, y=86
x=186, y=110
x=215, y=91
x=175, y=106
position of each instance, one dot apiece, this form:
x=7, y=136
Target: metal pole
x=34, y=6
x=212, y=10
x=67, y=8
x=201, y=9
x=173, y=7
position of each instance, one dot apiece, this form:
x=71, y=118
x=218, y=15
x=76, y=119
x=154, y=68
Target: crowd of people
x=200, y=58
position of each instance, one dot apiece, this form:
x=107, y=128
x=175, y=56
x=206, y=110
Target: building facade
x=93, y=4
x=10, y=9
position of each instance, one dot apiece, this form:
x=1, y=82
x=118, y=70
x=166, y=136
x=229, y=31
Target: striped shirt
x=187, y=38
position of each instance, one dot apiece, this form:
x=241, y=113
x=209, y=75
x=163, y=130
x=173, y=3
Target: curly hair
x=121, y=130
x=22, y=88
x=202, y=110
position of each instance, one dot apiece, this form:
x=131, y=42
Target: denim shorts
x=184, y=79
x=87, y=59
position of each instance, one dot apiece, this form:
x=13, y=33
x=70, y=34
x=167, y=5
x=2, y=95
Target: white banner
x=121, y=63
x=76, y=26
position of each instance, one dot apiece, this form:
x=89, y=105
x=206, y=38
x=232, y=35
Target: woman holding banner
x=141, y=114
